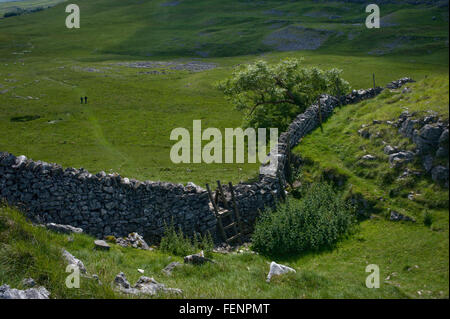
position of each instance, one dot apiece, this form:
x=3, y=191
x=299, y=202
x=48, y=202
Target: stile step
x=230, y=225
x=234, y=237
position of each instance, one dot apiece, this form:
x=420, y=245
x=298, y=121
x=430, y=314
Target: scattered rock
x=28, y=282
x=133, y=240
x=170, y=267
x=141, y=270
x=397, y=159
x=144, y=285
x=388, y=150
x=101, y=245
x=121, y=281
x=364, y=133
x=71, y=260
x=196, y=259
x=407, y=172
x=223, y=248
x=368, y=157
x=65, y=229
x=150, y=286
x=277, y=269
x=95, y=277
x=33, y=293
x=396, y=216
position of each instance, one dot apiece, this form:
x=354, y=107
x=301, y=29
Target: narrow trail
x=101, y=140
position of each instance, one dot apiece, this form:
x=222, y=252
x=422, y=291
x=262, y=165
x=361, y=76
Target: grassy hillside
x=339, y=149
x=187, y=46
x=413, y=257
x=45, y=68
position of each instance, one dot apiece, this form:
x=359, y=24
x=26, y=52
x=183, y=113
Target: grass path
x=103, y=142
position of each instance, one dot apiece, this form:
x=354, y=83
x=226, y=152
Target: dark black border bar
x=228, y=308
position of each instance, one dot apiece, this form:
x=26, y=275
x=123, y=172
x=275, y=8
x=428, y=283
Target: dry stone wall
x=108, y=204
x=101, y=204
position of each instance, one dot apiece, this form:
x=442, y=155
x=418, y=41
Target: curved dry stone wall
x=108, y=204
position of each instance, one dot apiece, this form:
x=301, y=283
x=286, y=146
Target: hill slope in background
x=206, y=28
x=24, y=6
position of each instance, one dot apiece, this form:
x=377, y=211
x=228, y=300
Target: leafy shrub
x=174, y=242
x=315, y=222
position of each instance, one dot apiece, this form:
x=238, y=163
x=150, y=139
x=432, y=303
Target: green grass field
x=125, y=128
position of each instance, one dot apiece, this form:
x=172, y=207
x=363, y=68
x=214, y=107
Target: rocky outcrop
x=133, y=240
x=71, y=260
x=170, y=267
x=144, y=286
x=396, y=216
x=197, y=259
x=101, y=245
x=430, y=135
x=64, y=229
x=7, y=292
x=400, y=158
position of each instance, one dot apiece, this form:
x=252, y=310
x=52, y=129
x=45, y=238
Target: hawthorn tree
x=272, y=95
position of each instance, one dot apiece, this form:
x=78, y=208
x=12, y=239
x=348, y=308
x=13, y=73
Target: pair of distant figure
x=85, y=100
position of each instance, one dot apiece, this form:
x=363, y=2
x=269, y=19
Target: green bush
x=315, y=222
x=174, y=242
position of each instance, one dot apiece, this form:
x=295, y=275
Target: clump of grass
x=313, y=223
x=427, y=219
x=176, y=243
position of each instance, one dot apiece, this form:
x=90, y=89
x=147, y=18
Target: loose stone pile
x=133, y=240
x=430, y=135
x=7, y=292
x=144, y=285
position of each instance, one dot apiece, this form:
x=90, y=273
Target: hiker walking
x=85, y=100
x=81, y=99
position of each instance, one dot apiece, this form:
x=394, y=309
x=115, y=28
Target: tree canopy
x=272, y=95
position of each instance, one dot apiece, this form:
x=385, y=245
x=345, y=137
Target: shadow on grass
x=25, y=118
